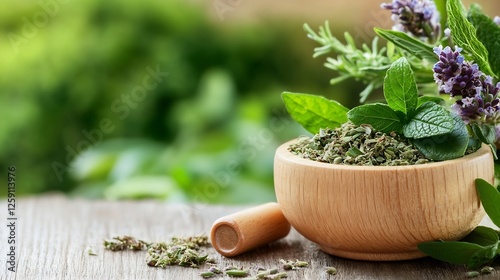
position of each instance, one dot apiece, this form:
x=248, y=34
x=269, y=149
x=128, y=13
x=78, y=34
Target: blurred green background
x=175, y=100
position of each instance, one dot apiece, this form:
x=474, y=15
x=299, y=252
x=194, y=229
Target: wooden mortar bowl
x=380, y=212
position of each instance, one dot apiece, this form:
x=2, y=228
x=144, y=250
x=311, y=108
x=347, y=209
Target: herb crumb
x=90, y=251
x=331, y=270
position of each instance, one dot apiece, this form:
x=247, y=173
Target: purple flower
x=482, y=108
x=417, y=17
x=497, y=20
x=454, y=75
x=449, y=64
x=479, y=95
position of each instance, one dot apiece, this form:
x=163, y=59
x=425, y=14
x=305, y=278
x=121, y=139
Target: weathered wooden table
x=53, y=232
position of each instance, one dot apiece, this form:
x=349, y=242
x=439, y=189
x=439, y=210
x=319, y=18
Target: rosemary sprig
x=364, y=64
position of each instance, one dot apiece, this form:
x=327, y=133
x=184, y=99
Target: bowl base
x=365, y=256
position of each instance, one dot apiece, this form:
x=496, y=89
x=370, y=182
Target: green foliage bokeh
x=217, y=113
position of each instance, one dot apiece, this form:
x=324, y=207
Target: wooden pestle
x=248, y=229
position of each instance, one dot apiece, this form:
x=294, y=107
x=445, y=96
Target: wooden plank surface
x=53, y=232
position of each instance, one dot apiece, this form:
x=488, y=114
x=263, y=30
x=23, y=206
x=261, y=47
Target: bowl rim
x=283, y=152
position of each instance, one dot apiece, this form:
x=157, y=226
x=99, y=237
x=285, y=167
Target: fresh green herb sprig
x=365, y=64
x=437, y=133
x=482, y=246
x=464, y=35
x=369, y=65
x=429, y=125
x=472, y=32
x=469, y=74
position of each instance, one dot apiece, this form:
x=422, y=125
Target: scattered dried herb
x=180, y=251
x=238, y=272
x=487, y=270
x=266, y=273
x=293, y=265
x=189, y=252
x=472, y=274
x=120, y=243
x=280, y=275
x=358, y=145
x=331, y=270
x=215, y=270
x=484, y=270
x=207, y=274
x=90, y=251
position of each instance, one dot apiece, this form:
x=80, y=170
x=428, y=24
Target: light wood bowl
x=378, y=212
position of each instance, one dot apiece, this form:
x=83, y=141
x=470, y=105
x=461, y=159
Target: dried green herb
x=189, y=252
x=293, y=265
x=472, y=274
x=90, y=251
x=265, y=274
x=358, y=145
x=120, y=243
x=232, y=267
x=180, y=251
x=487, y=270
x=301, y=263
x=331, y=270
x=207, y=274
x=215, y=270
x=484, y=270
x=280, y=275
x=238, y=272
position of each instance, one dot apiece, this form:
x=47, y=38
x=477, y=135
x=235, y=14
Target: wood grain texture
x=53, y=232
x=380, y=212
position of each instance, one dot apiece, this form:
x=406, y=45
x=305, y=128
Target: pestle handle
x=248, y=229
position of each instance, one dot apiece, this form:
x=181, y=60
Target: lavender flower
x=454, y=75
x=417, y=17
x=479, y=95
x=482, y=108
x=497, y=20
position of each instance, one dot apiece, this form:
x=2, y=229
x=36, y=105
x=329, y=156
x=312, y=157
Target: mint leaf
x=490, y=198
x=464, y=35
x=474, y=145
x=400, y=89
x=454, y=252
x=414, y=46
x=427, y=98
x=445, y=146
x=484, y=132
x=378, y=115
x=429, y=120
x=488, y=32
x=483, y=236
x=483, y=256
x=314, y=112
